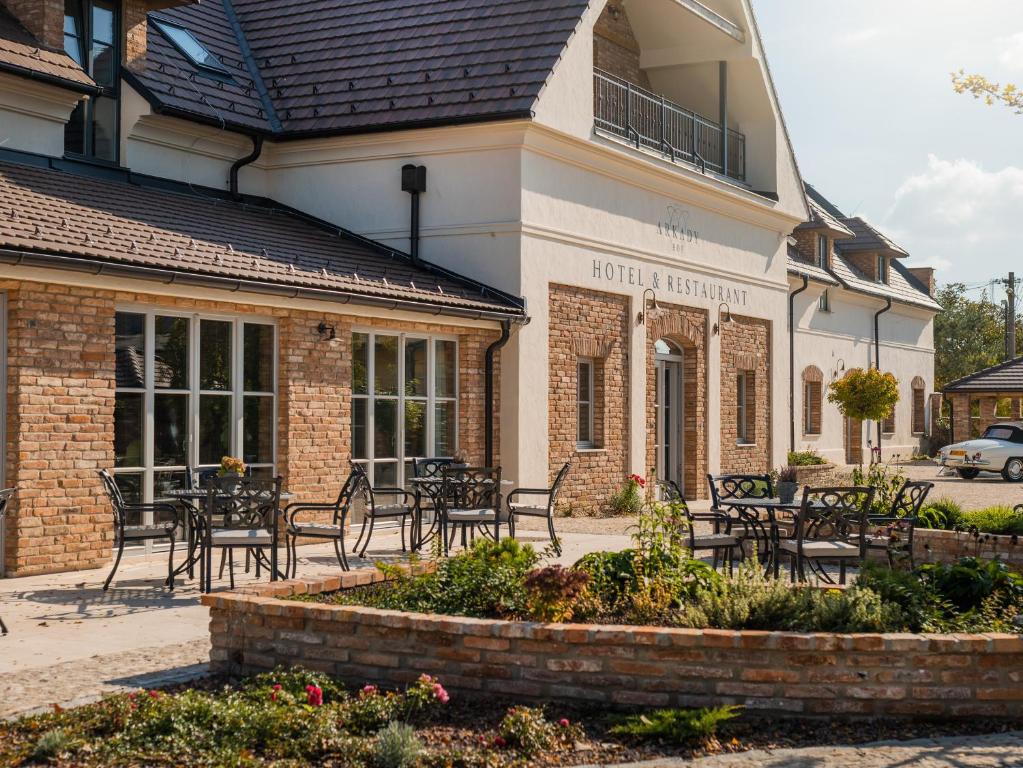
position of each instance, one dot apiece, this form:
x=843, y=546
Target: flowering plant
x=528, y=729
x=629, y=499
x=229, y=465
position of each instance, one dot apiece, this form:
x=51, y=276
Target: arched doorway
x=669, y=396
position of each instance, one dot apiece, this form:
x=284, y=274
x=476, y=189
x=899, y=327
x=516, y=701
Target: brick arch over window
x=918, y=383
x=686, y=328
x=813, y=398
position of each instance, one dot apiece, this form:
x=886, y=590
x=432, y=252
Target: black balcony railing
x=652, y=122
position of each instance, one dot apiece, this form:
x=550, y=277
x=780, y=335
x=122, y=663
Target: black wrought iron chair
x=830, y=526
x=166, y=529
x=548, y=497
x=722, y=540
x=333, y=531
x=754, y=528
x=893, y=532
x=197, y=480
x=426, y=495
x=250, y=509
x=471, y=499
x=5, y=500
x=401, y=509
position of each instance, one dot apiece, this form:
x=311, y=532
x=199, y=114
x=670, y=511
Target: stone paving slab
x=1000, y=750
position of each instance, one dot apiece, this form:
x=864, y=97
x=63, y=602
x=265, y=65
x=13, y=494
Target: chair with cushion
x=830, y=526
x=125, y=533
x=333, y=531
x=893, y=532
x=541, y=504
x=426, y=501
x=471, y=500
x=5, y=500
x=241, y=513
x=724, y=488
x=723, y=541
x=381, y=504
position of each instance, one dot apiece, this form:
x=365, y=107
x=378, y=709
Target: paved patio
x=70, y=642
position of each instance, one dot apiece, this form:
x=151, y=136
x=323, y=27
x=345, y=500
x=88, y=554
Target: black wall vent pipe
x=413, y=181
x=488, y=406
x=257, y=150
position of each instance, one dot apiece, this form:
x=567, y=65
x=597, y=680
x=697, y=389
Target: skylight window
x=191, y=48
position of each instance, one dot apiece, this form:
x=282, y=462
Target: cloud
x=1012, y=51
x=959, y=218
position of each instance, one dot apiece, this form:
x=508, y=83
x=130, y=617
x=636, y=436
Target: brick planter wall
x=867, y=675
x=932, y=546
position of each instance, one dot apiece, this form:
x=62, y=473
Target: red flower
x=564, y=722
x=154, y=694
x=314, y=695
x=500, y=742
x=274, y=690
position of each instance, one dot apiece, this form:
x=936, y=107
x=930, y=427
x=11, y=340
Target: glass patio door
x=668, y=390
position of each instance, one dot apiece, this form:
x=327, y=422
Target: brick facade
x=687, y=328
x=615, y=49
x=745, y=346
x=967, y=423
x=595, y=325
x=43, y=18
x=783, y=673
x=60, y=430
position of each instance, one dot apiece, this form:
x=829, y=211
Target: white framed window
x=824, y=302
x=191, y=389
x=882, y=269
x=404, y=402
x=744, y=389
x=822, y=251
x=584, y=403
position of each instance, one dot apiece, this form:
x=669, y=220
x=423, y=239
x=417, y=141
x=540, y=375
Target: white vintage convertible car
x=999, y=449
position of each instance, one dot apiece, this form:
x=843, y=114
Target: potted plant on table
x=787, y=484
x=229, y=465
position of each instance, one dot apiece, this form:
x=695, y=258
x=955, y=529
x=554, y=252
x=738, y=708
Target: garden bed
x=819, y=674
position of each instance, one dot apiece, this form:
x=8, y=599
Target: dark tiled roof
x=868, y=239
x=344, y=66
x=22, y=54
x=797, y=265
x=901, y=286
x=133, y=221
x=1004, y=377
x=821, y=218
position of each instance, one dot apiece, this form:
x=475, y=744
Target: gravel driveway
x=984, y=491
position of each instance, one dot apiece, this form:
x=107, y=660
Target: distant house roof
x=822, y=219
x=797, y=265
x=202, y=235
x=1004, y=377
x=867, y=238
x=311, y=67
x=22, y=54
x=901, y=285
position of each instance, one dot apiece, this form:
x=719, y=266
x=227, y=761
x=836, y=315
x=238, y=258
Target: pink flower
x=369, y=690
x=440, y=694
x=314, y=695
x=563, y=722
x=425, y=678
x=132, y=696
x=154, y=694
x=274, y=690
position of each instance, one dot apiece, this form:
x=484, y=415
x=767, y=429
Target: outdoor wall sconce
x=653, y=313
x=327, y=332
x=839, y=368
x=727, y=319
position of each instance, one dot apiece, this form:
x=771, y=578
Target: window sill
x=741, y=444
x=589, y=449
x=812, y=435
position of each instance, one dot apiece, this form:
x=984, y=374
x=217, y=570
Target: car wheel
x=1013, y=471
x=968, y=474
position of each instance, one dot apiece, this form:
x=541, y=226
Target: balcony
x=653, y=123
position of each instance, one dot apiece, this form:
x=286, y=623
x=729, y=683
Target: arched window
x=919, y=388
x=813, y=393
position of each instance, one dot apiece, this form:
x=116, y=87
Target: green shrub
x=970, y=581
x=528, y=730
x=396, y=746
x=50, y=745
x=677, y=726
x=628, y=500
x=919, y=604
x=552, y=593
x=612, y=575
x=942, y=514
x=1002, y=520
x=807, y=458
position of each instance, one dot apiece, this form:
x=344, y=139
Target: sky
x=866, y=92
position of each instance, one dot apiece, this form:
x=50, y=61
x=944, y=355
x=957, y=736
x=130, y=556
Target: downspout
x=488, y=396
x=792, y=361
x=877, y=356
x=257, y=150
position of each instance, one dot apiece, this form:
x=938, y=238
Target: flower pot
x=787, y=492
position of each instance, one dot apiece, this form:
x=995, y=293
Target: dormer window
x=882, y=269
x=192, y=49
x=822, y=251
x=92, y=38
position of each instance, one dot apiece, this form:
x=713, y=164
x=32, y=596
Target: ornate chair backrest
x=245, y=502
x=834, y=515
x=429, y=467
x=116, y=498
x=472, y=487
x=559, y=480
x=672, y=495
x=725, y=487
x=352, y=485
x=910, y=499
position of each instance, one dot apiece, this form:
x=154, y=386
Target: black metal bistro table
x=191, y=499
x=432, y=488
x=764, y=519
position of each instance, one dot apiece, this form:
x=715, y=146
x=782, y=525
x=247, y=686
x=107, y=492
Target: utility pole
x=1010, y=315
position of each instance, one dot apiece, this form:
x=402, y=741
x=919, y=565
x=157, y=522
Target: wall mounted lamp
x=327, y=332
x=839, y=368
x=653, y=313
x=727, y=318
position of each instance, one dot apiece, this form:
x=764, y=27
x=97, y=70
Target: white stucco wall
x=33, y=115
